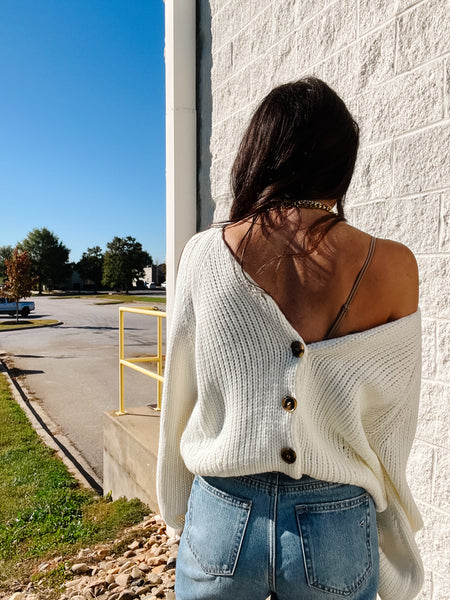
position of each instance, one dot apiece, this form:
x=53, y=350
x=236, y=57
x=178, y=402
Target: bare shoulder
x=392, y=277
x=396, y=267
x=396, y=259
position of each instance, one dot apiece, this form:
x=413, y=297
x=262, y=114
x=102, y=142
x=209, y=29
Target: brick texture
x=390, y=61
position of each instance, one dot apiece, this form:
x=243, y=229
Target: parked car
x=9, y=308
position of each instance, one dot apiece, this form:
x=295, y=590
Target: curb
x=47, y=430
x=37, y=326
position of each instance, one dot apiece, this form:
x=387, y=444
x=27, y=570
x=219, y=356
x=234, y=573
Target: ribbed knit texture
x=229, y=364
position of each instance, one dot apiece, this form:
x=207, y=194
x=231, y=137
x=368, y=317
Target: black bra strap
x=344, y=308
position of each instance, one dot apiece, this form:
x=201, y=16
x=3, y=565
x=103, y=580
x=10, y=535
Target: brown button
x=297, y=348
x=289, y=403
x=288, y=455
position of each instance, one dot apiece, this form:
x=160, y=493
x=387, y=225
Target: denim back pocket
x=215, y=527
x=336, y=543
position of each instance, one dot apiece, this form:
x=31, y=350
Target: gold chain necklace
x=305, y=204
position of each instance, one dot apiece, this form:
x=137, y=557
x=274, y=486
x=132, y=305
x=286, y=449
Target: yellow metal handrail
x=131, y=362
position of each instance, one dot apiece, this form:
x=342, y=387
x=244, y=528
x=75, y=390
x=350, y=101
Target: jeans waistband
x=279, y=481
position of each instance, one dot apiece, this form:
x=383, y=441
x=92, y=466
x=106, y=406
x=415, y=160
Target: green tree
x=124, y=261
x=162, y=268
x=91, y=265
x=20, y=278
x=5, y=253
x=49, y=256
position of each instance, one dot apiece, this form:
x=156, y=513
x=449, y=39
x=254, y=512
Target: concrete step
x=130, y=450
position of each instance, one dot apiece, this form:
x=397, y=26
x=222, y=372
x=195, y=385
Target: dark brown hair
x=301, y=144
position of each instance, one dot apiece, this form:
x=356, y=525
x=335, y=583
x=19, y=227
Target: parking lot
x=72, y=370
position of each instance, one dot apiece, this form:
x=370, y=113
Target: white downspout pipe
x=181, y=135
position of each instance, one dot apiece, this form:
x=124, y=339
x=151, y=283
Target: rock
x=158, y=569
x=136, y=573
x=81, y=568
x=170, y=572
x=171, y=560
x=144, y=589
x=145, y=569
x=155, y=550
x=113, y=585
x=98, y=587
x=153, y=540
x=122, y=579
x=126, y=565
x=127, y=595
x=159, y=591
x=101, y=574
x=102, y=553
x=154, y=561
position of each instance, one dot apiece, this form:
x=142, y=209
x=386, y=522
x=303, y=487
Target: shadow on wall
x=205, y=204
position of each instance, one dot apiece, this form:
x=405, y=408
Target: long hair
x=300, y=144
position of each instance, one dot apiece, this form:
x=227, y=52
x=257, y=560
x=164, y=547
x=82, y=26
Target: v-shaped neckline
x=255, y=288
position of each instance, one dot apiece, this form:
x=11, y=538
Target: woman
x=292, y=379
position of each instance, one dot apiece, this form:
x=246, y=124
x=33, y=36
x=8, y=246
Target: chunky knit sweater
x=232, y=360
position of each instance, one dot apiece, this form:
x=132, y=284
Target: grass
x=43, y=510
x=116, y=298
x=11, y=324
x=124, y=298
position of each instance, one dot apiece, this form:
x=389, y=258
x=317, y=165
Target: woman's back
x=250, y=400
x=310, y=290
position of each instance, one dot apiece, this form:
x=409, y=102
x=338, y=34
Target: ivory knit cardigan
x=229, y=365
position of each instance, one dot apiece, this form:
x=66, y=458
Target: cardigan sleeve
x=401, y=568
x=178, y=398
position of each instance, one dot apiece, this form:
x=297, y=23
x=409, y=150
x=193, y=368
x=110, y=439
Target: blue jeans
x=249, y=537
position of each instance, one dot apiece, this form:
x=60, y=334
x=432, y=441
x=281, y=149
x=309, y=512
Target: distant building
x=73, y=282
x=154, y=274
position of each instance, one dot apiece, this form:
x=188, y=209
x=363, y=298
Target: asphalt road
x=73, y=369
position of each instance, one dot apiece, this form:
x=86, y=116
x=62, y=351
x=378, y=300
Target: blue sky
x=82, y=149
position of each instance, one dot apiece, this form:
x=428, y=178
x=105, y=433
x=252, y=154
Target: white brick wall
x=390, y=61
